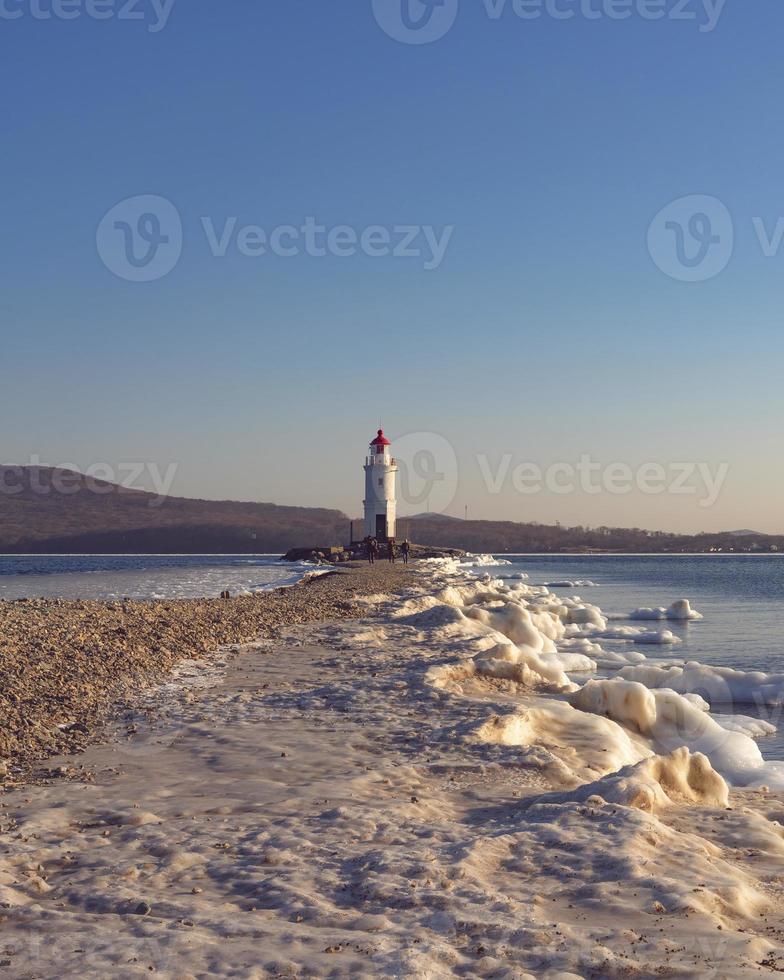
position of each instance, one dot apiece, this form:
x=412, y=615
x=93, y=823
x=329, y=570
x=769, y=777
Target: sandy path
x=65, y=664
x=323, y=811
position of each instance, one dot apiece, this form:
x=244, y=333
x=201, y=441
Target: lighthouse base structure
x=379, y=526
x=380, y=510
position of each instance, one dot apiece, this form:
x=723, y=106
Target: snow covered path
x=326, y=810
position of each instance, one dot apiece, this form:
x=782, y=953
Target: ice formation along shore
x=506, y=636
x=640, y=779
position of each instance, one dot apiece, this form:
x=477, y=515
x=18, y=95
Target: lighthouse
x=380, y=506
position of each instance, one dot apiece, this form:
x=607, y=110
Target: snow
x=635, y=635
x=655, y=784
x=669, y=720
x=678, y=611
x=719, y=685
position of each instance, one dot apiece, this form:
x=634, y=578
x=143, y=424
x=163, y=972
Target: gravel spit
x=68, y=665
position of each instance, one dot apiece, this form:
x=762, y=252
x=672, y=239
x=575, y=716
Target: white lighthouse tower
x=380, y=506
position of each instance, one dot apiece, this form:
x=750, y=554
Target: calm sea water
x=741, y=597
x=142, y=576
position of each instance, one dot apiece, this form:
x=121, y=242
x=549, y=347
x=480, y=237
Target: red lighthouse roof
x=381, y=439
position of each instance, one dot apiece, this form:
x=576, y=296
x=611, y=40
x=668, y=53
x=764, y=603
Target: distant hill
x=510, y=536
x=429, y=517
x=57, y=511
x=44, y=510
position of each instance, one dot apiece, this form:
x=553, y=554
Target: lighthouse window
x=381, y=481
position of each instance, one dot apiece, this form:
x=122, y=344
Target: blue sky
x=546, y=332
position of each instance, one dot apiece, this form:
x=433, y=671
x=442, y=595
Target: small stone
x=196, y=890
x=142, y=909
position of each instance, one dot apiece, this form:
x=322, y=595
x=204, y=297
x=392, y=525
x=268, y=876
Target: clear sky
x=536, y=150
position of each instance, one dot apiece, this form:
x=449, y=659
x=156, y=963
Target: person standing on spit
x=405, y=550
x=391, y=547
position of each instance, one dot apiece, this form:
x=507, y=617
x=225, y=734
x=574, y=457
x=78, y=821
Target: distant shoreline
x=499, y=554
x=639, y=554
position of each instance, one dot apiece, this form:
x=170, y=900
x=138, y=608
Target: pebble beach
x=67, y=666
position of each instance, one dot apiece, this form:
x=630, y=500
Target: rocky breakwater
x=356, y=552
